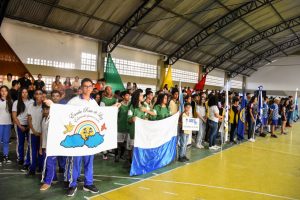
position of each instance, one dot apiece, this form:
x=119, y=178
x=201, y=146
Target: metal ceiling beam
x=283, y=46
x=252, y=40
x=215, y=26
x=132, y=21
x=3, y=6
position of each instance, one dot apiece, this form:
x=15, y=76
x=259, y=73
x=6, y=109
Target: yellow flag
x=168, y=78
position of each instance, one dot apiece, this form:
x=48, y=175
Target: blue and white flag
x=154, y=144
x=259, y=107
x=296, y=111
x=181, y=103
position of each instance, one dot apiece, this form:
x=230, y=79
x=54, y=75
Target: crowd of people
x=25, y=105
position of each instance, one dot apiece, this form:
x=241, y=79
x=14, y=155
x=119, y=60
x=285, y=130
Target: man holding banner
x=81, y=140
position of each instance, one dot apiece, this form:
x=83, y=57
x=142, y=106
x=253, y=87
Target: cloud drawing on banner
x=94, y=140
x=72, y=141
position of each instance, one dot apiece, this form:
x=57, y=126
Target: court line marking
x=171, y=193
x=144, y=188
x=178, y=167
x=119, y=184
x=261, y=148
x=224, y=188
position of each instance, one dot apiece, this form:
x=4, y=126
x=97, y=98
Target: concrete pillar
x=161, y=72
x=244, y=86
x=226, y=77
x=100, y=60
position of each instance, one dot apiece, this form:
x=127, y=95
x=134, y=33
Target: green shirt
x=161, y=112
x=134, y=112
x=108, y=101
x=122, y=118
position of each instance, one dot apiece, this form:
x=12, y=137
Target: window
x=184, y=76
x=88, y=61
x=50, y=63
x=236, y=84
x=214, y=80
x=133, y=68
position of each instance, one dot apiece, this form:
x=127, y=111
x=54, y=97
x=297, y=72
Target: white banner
x=190, y=124
x=80, y=130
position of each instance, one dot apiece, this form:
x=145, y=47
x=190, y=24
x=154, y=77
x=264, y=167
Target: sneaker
x=251, y=140
x=105, y=157
x=185, y=158
x=181, y=159
x=6, y=160
x=25, y=168
x=90, y=188
x=80, y=180
x=262, y=135
x=71, y=191
x=199, y=146
x=30, y=173
x=217, y=147
x=45, y=187
x=212, y=148
x=20, y=162
x=273, y=136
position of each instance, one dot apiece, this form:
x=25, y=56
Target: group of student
x=30, y=117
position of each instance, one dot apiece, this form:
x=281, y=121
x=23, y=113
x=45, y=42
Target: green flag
x=112, y=76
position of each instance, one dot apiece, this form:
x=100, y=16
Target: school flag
x=242, y=119
x=154, y=144
x=296, y=111
x=168, y=78
x=81, y=130
x=259, y=108
x=112, y=76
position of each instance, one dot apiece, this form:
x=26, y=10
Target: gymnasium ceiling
x=170, y=24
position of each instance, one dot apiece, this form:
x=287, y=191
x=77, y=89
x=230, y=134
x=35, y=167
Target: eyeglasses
x=87, y=86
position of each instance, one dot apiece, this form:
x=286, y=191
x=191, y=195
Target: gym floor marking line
x=178, y=167
x=224, y=188
x=261, y=148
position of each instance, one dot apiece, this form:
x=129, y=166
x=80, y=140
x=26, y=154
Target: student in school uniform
x=80, y=100
x=122, y=125
x=56, y=97
x=49, y=172
x=20, y=118
x=160, y=108
x=274, y=113
x=184, y=134
x=35, y=116
x=5, y=122
x=136, y=109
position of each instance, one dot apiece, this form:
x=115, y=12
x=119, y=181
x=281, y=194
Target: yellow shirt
x=173, y=106
x=7, y=83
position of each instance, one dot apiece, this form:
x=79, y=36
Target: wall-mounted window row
x=50, y=63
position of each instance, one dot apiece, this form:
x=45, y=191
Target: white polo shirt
x=36, y=113
x=45, y=124
x=22, y=117
x=5, y=117
x=79, y=101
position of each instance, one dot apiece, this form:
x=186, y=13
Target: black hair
x=118, y=92
x=148, y=92
x=9, y=74
x=252, y=99
x=213, y=101
x=44, y=106
x=135, y=98
x=235, y=99
x=55, y=92
x=86, y=80
x=187, y=104
x=14, y=82
x=123, y=93
x=174, y=90
x=265, y=98
x=8, y=99
x=20, y=104
x=69, y=94
x=160, y=98
x=35, y=104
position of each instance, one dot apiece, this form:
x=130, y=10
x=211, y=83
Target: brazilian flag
x=111, y=75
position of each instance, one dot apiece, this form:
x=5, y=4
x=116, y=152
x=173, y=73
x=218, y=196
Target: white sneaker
x=199, y=146
x=217, y=147
x=251, y=140
x=212, y=148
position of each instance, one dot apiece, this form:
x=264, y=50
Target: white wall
x=33, y=42
x=282, y=75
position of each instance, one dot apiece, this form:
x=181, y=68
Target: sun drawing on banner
x=86, y=133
